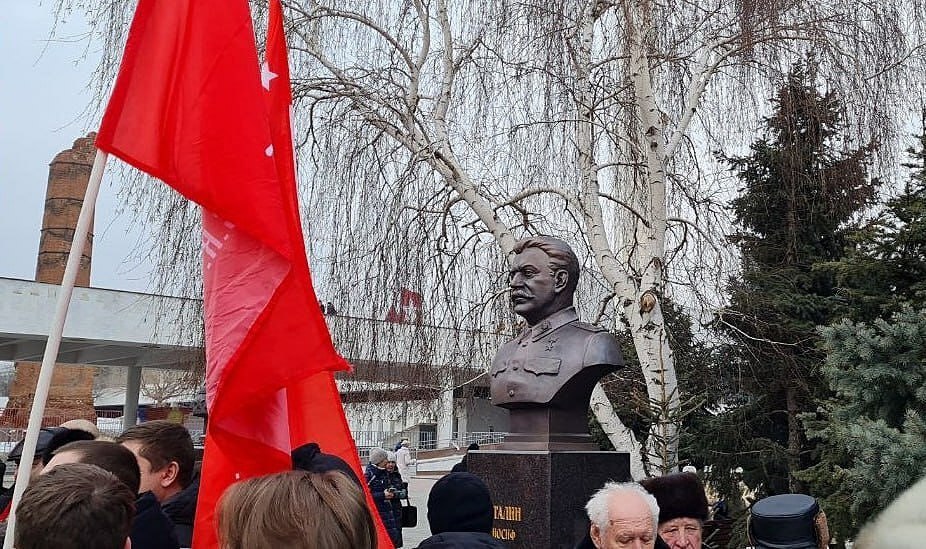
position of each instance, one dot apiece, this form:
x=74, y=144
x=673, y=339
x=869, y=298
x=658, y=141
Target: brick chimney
x=68, y=176
x=71, y=393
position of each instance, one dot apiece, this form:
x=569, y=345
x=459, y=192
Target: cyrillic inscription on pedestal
x=539, y=496
x=507, y=522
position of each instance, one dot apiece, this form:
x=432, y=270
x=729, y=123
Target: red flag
x=315, y=410
x=193, y=107
x=408, y=309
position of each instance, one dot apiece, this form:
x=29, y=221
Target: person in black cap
x=309, y=457
x=788, y=521
x=62, y=438
x=682, y=509
x=460, y=514
x=46, y=434
x=15, y=455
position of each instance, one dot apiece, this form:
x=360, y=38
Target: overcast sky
x=43, y=94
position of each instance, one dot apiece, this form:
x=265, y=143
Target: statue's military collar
x=553, y=322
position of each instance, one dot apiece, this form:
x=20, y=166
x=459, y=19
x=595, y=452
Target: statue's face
x=533, y=285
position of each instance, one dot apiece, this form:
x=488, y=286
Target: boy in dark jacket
x=166, y=459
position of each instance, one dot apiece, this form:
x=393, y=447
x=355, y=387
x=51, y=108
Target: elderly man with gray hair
x=623, y=516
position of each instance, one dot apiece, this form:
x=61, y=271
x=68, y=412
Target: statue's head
x=543, y=277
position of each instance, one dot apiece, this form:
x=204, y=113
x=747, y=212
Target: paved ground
x=418, y=490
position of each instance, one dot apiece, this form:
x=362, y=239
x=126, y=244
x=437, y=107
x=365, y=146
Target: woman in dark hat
x=682, y=509
x=462, y=467
x=309, y=457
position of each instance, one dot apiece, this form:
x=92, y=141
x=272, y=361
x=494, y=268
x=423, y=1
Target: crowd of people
x=140, y=489
x=154, y=463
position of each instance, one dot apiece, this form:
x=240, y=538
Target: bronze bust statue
x=545, y=375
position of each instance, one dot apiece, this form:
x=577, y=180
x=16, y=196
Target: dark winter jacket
x=460, y=467
x=378, y=480
x=181, y=510
x=462, y=540
x=151, y=529
x=396, y=482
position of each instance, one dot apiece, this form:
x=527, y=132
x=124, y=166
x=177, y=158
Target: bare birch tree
x=163, y=385
x=435, y=133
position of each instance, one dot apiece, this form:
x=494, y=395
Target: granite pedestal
x=540, y=496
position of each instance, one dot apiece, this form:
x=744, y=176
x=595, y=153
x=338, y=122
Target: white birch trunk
x=620, y=436
x=644, y=313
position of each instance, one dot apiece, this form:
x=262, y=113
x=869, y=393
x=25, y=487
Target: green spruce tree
x=874, y=428
x=801, y=190
x=872, y=431
x=886, y=267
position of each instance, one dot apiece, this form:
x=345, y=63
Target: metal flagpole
x=54, y=340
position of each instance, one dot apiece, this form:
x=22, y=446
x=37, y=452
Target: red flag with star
x=193, y=107
x=315, y=410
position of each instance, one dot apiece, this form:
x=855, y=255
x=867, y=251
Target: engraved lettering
x=506, y=512
x=505, y=534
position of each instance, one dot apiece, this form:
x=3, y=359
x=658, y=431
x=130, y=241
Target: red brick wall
x=70, y=395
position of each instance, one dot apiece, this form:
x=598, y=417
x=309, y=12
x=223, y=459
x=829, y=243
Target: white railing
x=421, y=440
x=109, y=422
x=463, y=440
x=387, y=440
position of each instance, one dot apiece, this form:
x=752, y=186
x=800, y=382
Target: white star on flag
x=266, y=75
